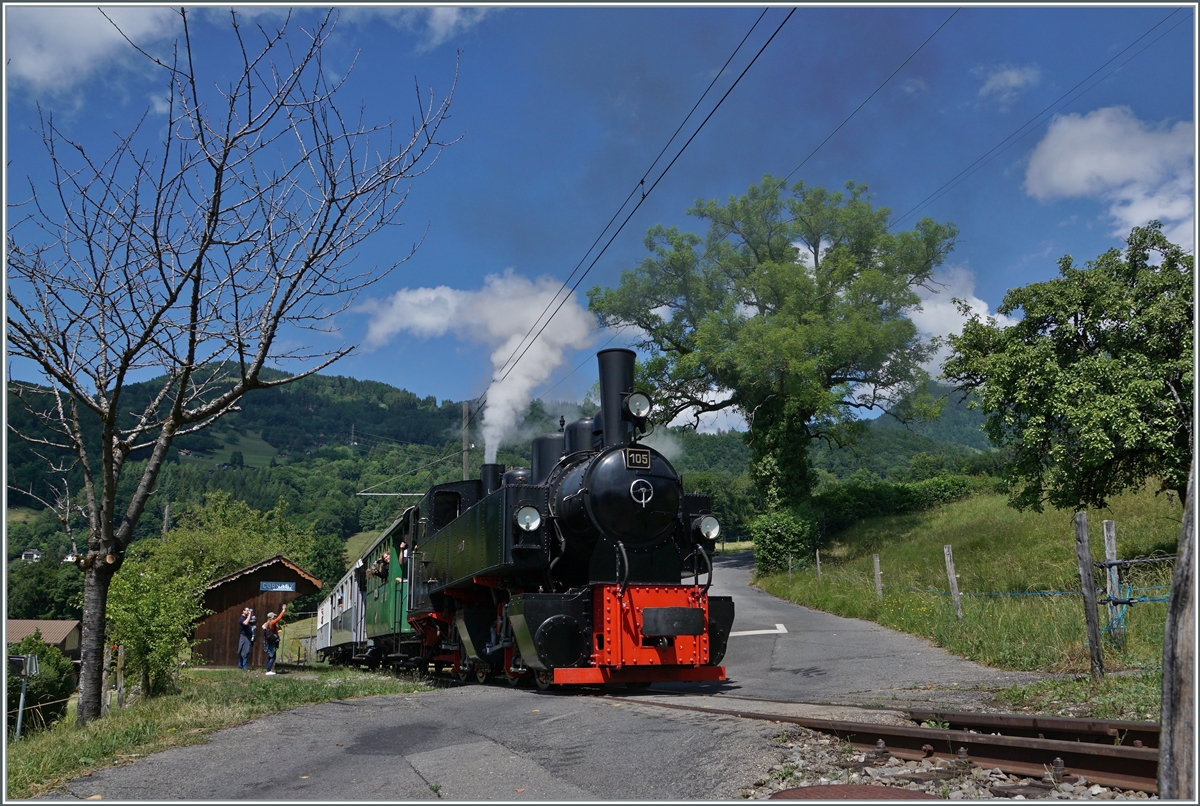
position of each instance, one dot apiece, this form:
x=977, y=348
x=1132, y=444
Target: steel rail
x=1104, y=731
x=1116, y=766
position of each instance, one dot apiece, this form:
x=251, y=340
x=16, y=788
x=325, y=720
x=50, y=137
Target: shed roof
x=250, y=569
x=54, y=631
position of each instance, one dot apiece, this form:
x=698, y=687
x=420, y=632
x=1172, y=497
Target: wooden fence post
x=1113, y=577
x=878, y=579
x=818, y=565
x=953, y=583
x=1087, y=580
x=106, y=699
x=121, y=676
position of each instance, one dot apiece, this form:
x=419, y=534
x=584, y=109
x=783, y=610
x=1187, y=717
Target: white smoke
x=666, y=443
x=497, y=315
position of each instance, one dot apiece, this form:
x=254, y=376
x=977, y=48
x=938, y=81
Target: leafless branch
x=201, y=249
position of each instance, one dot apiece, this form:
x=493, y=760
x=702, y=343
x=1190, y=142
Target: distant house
x=264, y=586
x=61, y=633
x=31, y=556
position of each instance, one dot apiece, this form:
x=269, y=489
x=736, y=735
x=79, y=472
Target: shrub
x=782, y=533
x=47, y=692
x=843, y=505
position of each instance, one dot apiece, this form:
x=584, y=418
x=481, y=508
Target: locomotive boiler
x=590, y=566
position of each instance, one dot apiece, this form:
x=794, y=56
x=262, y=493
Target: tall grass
x=996, y=551
x=210, y=700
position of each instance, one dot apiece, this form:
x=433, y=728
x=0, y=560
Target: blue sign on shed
x=277, y=586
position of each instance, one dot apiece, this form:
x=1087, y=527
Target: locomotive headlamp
x=638, y=405
x=708, y=527
x=528, y=518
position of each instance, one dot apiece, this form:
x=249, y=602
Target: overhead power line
x=647, y=192
x=513, y=359
x=872, y=95
x=784, y=181
x=641, y=185
x=1032, y=124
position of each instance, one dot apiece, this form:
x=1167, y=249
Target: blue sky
x=562, y=110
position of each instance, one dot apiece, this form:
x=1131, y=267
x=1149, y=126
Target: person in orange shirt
x=271, y=638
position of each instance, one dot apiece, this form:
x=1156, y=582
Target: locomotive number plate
x=637, y=459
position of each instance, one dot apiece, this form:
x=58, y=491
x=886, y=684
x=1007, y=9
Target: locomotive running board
x=639, y=674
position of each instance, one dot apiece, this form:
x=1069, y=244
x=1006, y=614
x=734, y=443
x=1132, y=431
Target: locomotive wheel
x=462, y=669
x=514, y=680
x=481, y=673
x=544, y=679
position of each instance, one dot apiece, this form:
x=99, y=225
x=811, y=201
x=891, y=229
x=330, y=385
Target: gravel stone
x=804, y=757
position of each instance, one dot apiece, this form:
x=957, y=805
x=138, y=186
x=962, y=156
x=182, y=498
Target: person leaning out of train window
x=271, y=637
x=381, y=565
x=245, y=636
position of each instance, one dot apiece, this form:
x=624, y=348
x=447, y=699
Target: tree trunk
x=1176, y=778
x=96, y=580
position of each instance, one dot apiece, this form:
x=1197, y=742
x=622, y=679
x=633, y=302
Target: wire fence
x=1100, y=591
x=1117, y=595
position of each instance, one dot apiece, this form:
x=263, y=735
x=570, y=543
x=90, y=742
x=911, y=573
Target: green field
x=356, y=544
x=1003, y=552
x=255, y=452
x=20, y=514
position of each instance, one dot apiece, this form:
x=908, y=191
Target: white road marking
x=779, y=630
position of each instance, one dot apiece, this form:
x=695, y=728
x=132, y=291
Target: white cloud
x=1141, y=171
x=915, y=86
x=940, y=316
x=497, y=315
x=1005, y=82
x=433, y=26
x=53, y=48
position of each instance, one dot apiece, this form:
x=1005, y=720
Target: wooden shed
x=62, y=633
x=266, y=586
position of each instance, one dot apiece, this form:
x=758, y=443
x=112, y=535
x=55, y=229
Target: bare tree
x=197, y=254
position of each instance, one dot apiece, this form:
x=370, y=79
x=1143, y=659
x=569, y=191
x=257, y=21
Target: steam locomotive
x=591, y=566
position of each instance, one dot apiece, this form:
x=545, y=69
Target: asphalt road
x=495, y=743
x=826, y=658
x=467, y=743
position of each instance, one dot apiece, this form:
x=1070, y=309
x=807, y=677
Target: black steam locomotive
x=591, y=566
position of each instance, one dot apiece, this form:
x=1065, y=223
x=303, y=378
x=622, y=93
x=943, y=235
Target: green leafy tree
x=153, y=606
x=1092, y=389
x=792, y=310
x=44, y=590
x=47, y=692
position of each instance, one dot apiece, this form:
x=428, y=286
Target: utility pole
x=466, y=445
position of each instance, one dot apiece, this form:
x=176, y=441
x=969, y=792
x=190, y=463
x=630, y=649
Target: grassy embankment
x=211, y=700
x=999, y=550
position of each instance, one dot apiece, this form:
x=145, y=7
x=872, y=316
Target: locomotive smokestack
x=616, y=380
x=490, y=475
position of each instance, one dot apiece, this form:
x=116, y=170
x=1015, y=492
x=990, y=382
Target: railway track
x=1116, y=754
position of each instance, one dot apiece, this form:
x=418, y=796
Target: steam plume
x=497, y=315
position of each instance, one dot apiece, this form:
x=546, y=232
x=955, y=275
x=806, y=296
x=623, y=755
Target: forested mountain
x=957, y=423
